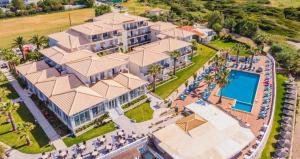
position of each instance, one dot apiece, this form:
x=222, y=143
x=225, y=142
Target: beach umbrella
x=289, y=107
x=290, y=86
x=288, y=112
x=290, y=101
x=290, y=91
x=286, y=135
x=286, y=126
x=281, y=153
x=287, y=129
x=287, y=120
x=284, y=143
x=290, y=96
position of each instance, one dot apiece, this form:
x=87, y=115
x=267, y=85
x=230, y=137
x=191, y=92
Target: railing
x=138, y=143
x=257, y=153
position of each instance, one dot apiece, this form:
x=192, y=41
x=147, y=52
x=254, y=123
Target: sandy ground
x=296, y=149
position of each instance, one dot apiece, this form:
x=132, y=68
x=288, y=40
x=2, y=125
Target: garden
x=140, y=113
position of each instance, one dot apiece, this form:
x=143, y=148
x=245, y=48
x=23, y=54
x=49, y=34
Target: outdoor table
x=109, y=147
x=102, y=139
x=81, y=147
x=95, y=153
x=257, y=142
x=134, y=136
x=261, y=133
x=45, y=156
x=120, y=133
x=79, y=157
x=122, y=141
x=63, y=154
x=252, y=150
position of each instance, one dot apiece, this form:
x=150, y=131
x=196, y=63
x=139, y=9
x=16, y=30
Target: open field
x=269, y=148
x=204, y=54
x=40, y=24
x=137, y=8
x=285, y=3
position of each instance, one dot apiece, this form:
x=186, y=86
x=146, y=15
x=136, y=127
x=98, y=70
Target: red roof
x=192, y=29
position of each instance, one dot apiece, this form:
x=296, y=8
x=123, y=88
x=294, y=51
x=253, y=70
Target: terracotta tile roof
x=60, y=57
x=32, y=67
x=77, y=100
x=43, y=75
x=109, y=89
x=192, y=29
x=147, y=57
x=95, y=28
x=118, y=18
x=177, y=33
x=164, y=46
x=130, y=81
x=93, y=65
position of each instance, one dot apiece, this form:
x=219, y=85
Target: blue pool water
x=242, y=88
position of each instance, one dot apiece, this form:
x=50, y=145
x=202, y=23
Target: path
x=39, y=117
x=296, y=144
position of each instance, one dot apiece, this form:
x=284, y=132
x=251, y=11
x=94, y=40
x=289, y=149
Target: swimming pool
x=242, y=88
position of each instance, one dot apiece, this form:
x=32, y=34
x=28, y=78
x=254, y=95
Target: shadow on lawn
x=37, y=133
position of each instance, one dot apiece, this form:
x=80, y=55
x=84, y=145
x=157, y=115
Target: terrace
x=262, y=103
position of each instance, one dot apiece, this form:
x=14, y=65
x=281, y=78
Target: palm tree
x=10, y=57
x=208, y=79
x=194, y=47
x=39, y=41
x=4, y=93
x=253, y=53
x=175, y=55
x=219, y=62
x=24, y=129
x=154, y=70
x=237, y=48
x=8, y=108
x=19, y=42
x=222, y=82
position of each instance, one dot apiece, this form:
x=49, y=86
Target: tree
x=209, y=79
x=18, y=4
x=34, y=56
x=3, y=93
x=223, y=82
x=39, y=41
x=8, y=108
x=11, y=58
x=215, y=17
x=175, y=55
x=194, y=47
x=219, y=61
x=19, y=42
x=102, y=9
x=24, y=129
x=237, y=48
x=246, y=27
x=230, y=24
x=154, y=70
x=253, y=53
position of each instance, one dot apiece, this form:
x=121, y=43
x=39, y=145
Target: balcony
x=140, y=33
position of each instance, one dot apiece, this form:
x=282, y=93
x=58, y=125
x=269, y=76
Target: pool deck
x=245, y=117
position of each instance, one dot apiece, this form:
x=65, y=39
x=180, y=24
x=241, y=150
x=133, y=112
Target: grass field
x=137, y=8
x=285, y=3
x=140, y=113
x=95, y=132
x=227, y=45
x=204, y=54
x=40, y=24
x=269, y=148
x=37, y=135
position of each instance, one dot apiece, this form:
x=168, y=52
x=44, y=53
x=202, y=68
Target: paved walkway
x=296, y=140
x=39, y=117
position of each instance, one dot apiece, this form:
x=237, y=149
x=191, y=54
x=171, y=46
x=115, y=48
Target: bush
x=275, y=49
x=134, y=101
x=102, y=9
x=97, y=122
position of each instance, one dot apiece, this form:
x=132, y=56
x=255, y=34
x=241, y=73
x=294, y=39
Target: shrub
x=102, y=9
x=134, y=101
x=97, y=122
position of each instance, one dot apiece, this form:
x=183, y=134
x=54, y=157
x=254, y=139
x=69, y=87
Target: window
x=123, y=99
x=82, y=118
x=99, y=109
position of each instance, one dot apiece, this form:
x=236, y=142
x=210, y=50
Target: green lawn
x=37, y=136
x=95, y=132
x=204, y=54
x=140, y=113
x=220, y=44
x=266, y=154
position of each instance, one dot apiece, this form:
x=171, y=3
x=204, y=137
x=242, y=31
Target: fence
x=257, y=153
